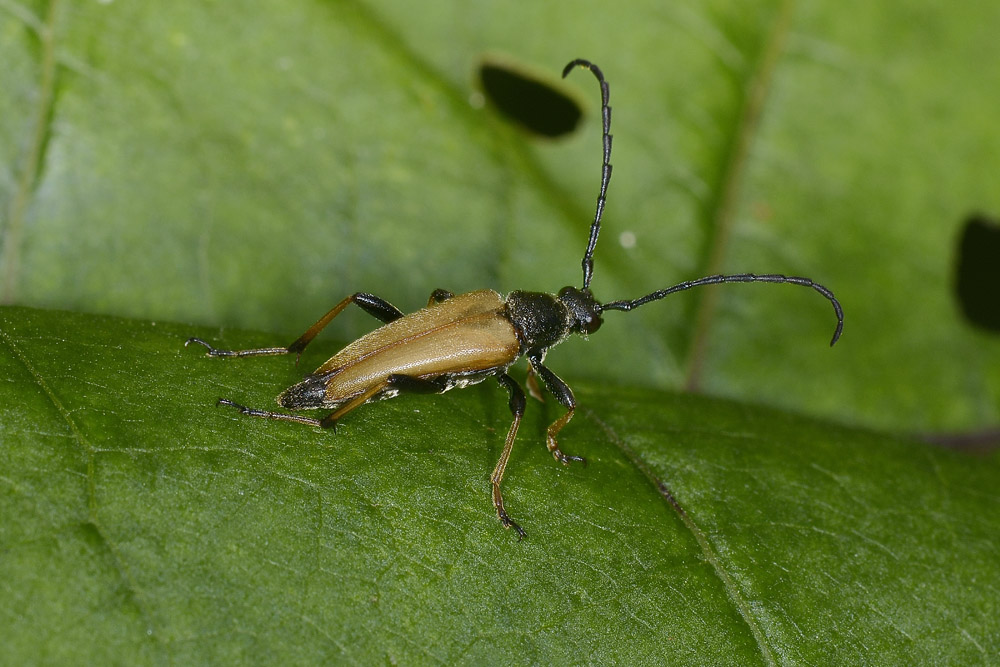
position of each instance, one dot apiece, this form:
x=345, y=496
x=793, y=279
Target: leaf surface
x=250, y=164
x=141, y=524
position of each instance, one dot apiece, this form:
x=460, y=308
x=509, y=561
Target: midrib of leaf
x=721, y=211
x=90, y=451
x=699, y=535
x=11, y=253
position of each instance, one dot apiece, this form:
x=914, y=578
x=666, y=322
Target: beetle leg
x=439, y=295
x=402, y=383
x=267, y=414
x=371, y=304
x=564, y=395
x=398, y=382
x=516, y=404
x=533, y=388
x=378, y=308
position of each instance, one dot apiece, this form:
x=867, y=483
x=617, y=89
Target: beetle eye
x=588, y=324
x=584, y=311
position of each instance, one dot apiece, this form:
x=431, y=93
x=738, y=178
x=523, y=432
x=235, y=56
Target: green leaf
x=249, y=164
x=141, y=524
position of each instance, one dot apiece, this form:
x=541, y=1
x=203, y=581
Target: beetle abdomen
x=310, y=393
x=466, y=338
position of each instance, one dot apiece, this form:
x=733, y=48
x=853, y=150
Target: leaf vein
x=720, y=210
x=35, y=153
x=90, y=452
x=710, y=555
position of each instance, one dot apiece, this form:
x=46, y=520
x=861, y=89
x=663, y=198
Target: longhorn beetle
x=459, y=340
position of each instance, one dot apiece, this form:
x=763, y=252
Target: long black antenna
x=595, y=227
x=735, y=278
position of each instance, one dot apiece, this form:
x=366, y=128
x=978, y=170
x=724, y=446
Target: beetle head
x=583, y=308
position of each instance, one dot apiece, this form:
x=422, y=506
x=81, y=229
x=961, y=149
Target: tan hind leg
x=516, y=404
x=374, y=306
x=401, y=383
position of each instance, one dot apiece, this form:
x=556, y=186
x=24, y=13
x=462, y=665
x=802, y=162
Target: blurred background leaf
x=249, y=164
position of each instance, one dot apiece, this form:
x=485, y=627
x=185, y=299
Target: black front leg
x=564, y=395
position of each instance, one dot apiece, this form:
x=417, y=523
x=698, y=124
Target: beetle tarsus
x=242, y=408
x=267, y=414
x=510, y=523
x=520, y=531
x=566, y=459
x=256, y=352
x=199, y=342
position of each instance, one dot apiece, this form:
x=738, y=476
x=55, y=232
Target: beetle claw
x=510, y=523
x=225, y=401
x=200, y=342
x=566, y=459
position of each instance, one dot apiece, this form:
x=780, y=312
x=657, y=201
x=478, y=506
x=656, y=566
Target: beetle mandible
x=460, y=340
